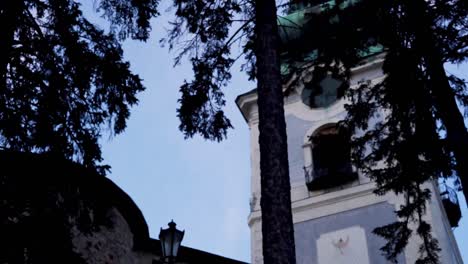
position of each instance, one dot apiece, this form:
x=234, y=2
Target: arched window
x=331, y=164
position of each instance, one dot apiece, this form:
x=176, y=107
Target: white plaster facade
x=308, y=206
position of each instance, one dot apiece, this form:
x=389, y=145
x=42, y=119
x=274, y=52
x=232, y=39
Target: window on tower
x=324, y=92
x=331, y=164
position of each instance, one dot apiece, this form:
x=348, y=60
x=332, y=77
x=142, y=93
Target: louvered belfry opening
x=331, y=163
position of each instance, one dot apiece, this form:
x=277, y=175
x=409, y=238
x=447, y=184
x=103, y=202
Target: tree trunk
x=443, y=95
x=457, y=135
x=277, y=225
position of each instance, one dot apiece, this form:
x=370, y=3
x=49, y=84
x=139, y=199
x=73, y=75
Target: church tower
x=334, y=207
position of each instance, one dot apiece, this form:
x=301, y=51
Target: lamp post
x=170, y=241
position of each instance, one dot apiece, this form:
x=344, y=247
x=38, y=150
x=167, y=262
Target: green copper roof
x=292, y=29
x=291, y=26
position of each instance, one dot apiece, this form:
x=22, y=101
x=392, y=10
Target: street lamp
x=170, y=241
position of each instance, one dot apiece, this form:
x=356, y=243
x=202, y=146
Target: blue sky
x=204, y=186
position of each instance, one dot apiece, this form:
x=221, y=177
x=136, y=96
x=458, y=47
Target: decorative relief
x=345, y=246
x=341, y=244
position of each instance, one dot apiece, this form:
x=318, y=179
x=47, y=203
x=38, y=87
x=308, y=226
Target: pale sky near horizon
x=204, y=186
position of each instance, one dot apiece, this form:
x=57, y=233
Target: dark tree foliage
x=62, y=82
x=62, y=79
x=201, y=29
x=419, y=133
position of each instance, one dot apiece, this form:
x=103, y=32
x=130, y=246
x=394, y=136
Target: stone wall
x=56, y=211
x=109, y=244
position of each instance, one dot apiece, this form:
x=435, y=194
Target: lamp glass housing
x=170, y=240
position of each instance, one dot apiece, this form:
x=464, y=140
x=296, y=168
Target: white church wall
x=314, y=238
x=352, y=208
